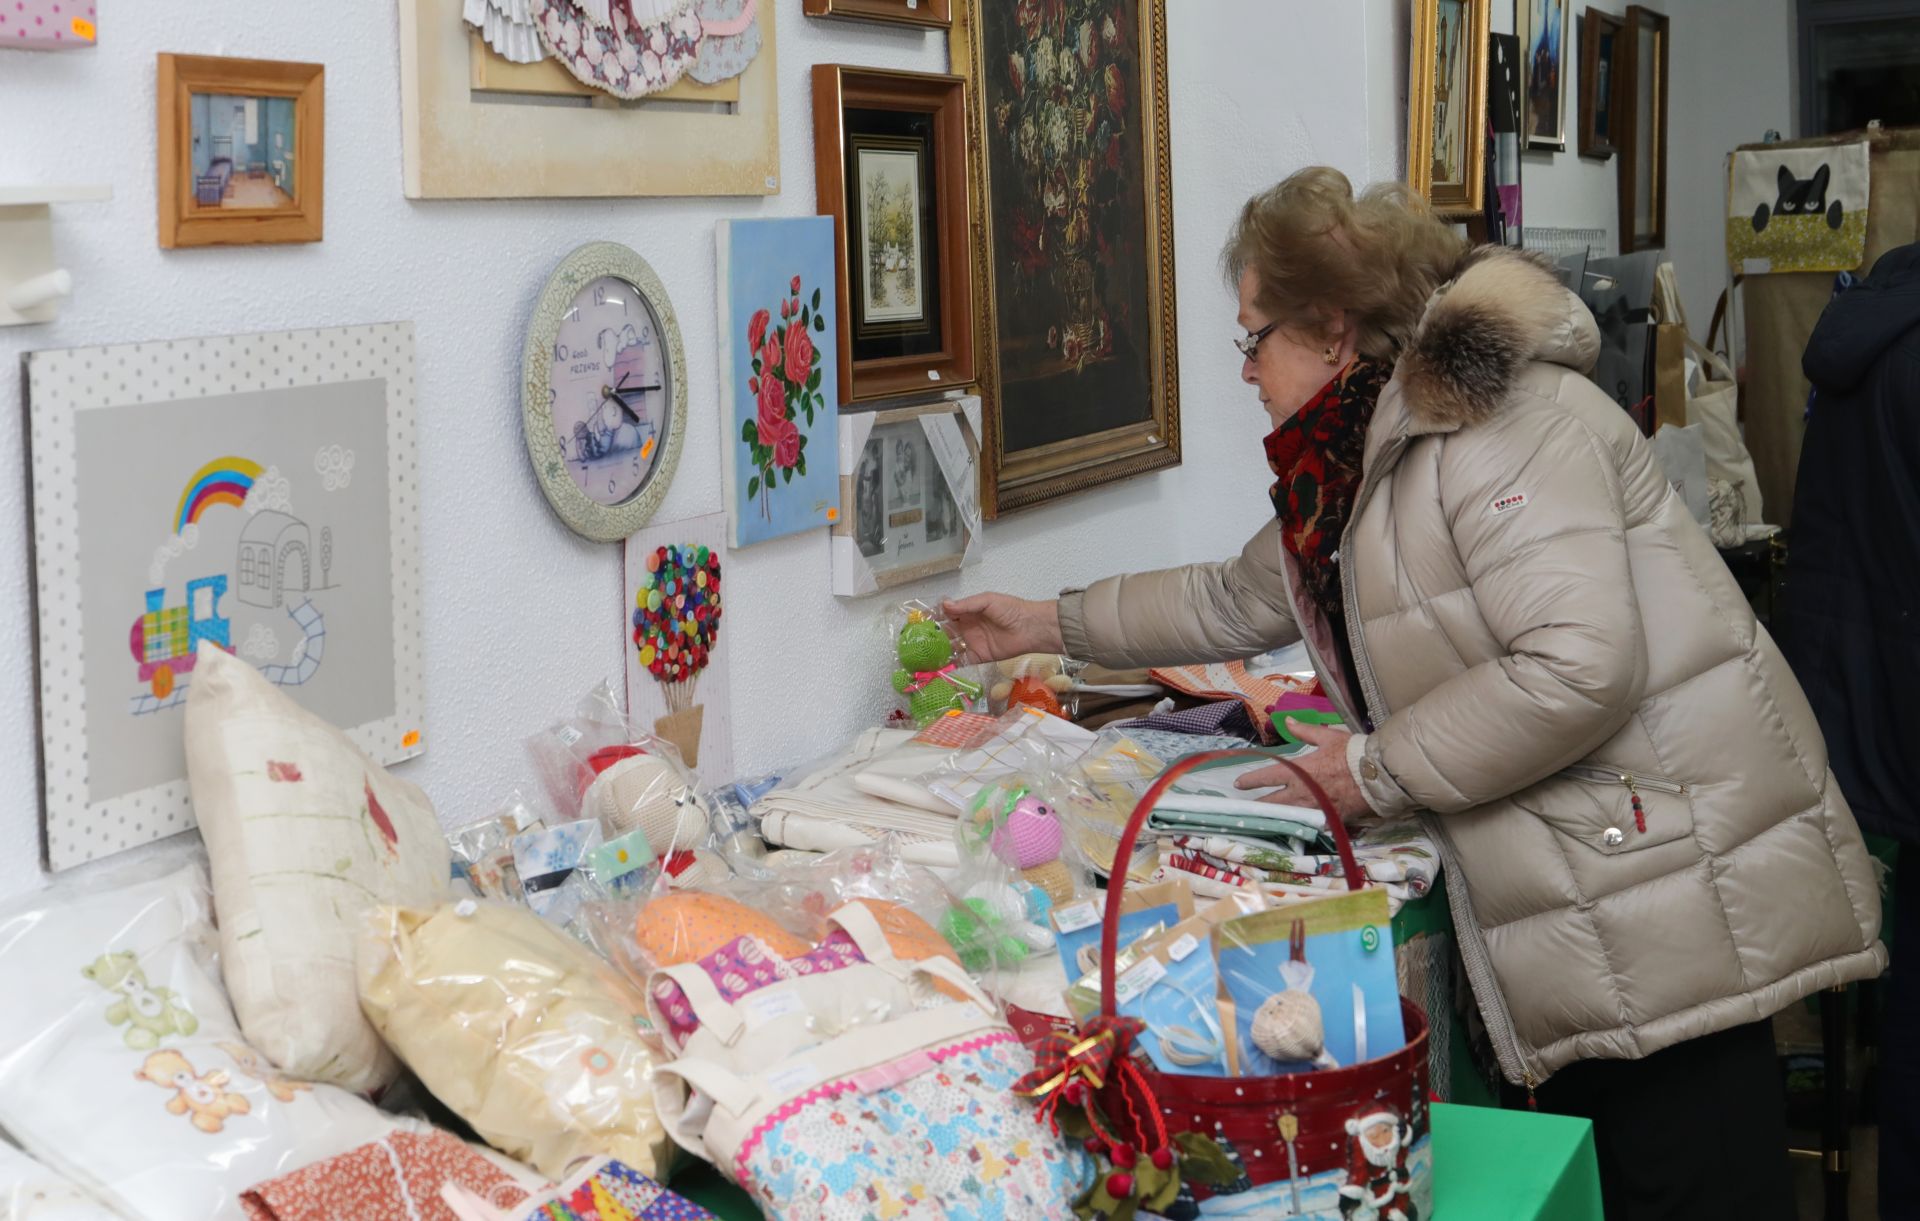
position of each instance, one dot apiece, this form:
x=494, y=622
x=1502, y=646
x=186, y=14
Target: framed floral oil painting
x=1074, y=263
x=779, y=380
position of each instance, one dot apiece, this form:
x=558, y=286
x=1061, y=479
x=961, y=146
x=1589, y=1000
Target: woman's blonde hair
x=1314, y=248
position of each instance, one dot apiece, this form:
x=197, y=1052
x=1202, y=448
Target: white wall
x=1733, y=77
x=522, y=616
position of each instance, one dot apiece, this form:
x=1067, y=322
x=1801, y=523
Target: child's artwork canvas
x=778, y=376
x=257, y=492
x=677, y=646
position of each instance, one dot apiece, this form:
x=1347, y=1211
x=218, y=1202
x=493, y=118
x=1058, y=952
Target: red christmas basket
x=1344, y=1144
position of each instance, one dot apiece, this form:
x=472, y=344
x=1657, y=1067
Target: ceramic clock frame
x=603, y=523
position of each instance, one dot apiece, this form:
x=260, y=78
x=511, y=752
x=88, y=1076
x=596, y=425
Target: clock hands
x=620, y=392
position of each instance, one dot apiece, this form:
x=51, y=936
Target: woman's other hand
x=1001, y=625
x=1327, y=765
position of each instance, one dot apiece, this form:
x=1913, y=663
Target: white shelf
x=13, y=197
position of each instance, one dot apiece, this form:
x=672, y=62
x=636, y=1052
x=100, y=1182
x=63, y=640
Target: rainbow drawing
x=223, y=481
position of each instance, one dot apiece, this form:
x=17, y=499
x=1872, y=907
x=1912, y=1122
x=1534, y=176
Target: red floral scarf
x=1315, y=457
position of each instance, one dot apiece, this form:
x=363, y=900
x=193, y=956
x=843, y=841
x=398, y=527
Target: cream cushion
x=304, y=834
x=519, y=1029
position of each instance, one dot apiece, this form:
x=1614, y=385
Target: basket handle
x=1117, y=879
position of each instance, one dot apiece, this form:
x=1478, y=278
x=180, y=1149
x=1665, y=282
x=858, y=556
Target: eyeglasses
x=1249, y=345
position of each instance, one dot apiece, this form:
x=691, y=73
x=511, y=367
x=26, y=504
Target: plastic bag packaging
x=1096, y=795
x=483, y=850
x=31, y=1192
x=1309, y=985
x=1168, y=980
x=539, y=1045
x=1143, y=910
x=1023, y=742
x=123, y=1070
x=1038, y=680
x=933, y=673
x=560, y=751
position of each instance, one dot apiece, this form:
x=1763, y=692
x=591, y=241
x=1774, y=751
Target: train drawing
x=165, y=639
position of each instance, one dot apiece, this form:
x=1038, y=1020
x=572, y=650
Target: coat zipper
x=1467, y=935
x=1632, y=783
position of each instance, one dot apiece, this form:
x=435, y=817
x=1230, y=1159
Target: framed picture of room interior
x=1446, y=144
x=890, y=167
x=241, y=151
x=1073, y=256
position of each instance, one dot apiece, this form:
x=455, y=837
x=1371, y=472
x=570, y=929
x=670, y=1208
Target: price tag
x=1075, y=917
x=1138, y=980
x=1186, y=945
x=763, y=1007
x=567, y=734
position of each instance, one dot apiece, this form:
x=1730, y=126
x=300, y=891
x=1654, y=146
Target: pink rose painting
x=778, y=304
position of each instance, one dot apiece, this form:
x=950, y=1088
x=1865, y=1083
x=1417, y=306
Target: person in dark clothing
x=1849, y=624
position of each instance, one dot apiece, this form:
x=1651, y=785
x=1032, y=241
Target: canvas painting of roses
x=1076, y=167
x=778, y=375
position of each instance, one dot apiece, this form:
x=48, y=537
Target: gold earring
x=1330, y=355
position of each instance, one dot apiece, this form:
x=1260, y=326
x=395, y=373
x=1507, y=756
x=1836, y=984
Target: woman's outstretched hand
x=1000, y=625
x=1327, y=765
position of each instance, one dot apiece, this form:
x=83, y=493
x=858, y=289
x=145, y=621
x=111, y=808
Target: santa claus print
x=1378, y=1185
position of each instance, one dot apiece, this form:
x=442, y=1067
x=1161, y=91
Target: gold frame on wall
x=1449, y=198
x=1061, y=468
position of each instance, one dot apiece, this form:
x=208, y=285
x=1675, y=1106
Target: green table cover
x=1488, y=1165
x=1492, y=1165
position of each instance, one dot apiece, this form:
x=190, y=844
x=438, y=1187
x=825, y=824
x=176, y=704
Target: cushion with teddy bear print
x=122, y=1068
x=304, y=833
x=31, y=1192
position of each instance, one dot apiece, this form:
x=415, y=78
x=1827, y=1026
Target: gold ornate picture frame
x=1447, y=105
x=1071, y=185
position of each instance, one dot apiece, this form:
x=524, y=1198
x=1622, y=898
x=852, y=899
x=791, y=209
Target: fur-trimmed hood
x=1501, y=310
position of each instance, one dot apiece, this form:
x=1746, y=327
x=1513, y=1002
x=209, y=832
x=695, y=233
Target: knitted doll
x=1288, y=1026
x=926, y=675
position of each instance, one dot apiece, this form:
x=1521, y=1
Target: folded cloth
x=1169, y=744
x=824, y=809
x=604, y=1189
x=1221, y=718
x=1232, y=680
x=396, y=1178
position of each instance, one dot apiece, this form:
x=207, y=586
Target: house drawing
x=276, y=554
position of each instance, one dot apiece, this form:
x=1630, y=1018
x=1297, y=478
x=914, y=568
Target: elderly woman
x=1536, y=648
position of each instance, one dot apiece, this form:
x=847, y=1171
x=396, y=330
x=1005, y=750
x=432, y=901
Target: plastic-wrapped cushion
x=519, y=1029
x=31, y=1192
x=689, y=926
x=303, y=833
x=122, y=1068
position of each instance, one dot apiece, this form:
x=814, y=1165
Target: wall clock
x=604, y=391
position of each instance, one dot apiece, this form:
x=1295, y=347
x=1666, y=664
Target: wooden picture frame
x=475, y=126
x=251, y=173
x=932, y=14
x=1446, y=141
x=1079, y=359
x=1640, y=103
x=1599, y=79
x=909, y=495
x=911, y=126
x=1543, y=26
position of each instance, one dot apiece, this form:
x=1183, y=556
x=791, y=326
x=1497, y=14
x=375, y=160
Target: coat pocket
x=1612, y=810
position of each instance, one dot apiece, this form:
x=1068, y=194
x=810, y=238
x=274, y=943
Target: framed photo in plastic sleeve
x=909, y=495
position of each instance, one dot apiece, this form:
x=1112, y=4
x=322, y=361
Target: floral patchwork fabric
x=951, y=1142
x=745, y=965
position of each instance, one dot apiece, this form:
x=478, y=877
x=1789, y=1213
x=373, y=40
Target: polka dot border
x=60, y=384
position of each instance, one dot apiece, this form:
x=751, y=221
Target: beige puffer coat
x=1541, y=631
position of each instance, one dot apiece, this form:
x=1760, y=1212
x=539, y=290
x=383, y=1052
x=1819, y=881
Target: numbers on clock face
x=612, y=390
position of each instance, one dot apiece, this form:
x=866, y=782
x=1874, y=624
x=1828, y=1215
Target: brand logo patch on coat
x=1509, y=502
